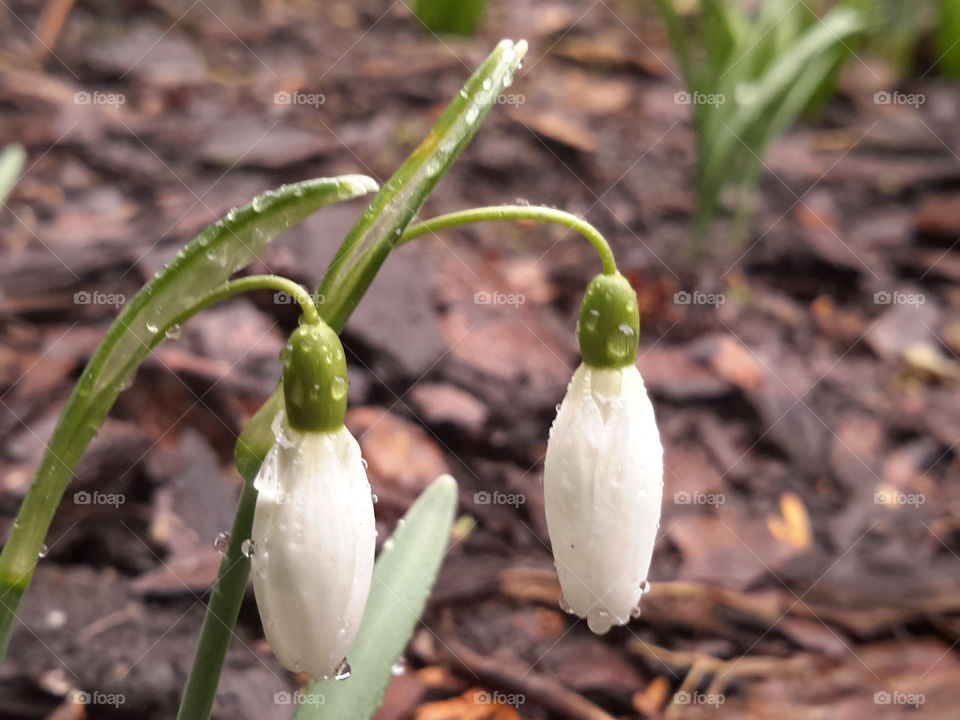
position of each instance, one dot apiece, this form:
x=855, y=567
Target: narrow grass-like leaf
x=380, y=227
x=11, y=165
x=196, y=271
x=402, y=579
x=752, y=75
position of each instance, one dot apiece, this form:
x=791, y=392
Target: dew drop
x=487, y=84
x=373, y=496
x=363, y=461
x=222, y=542
x=152, y=328
x=173, y=332
x=338, y=389
x=43, y=551
x=399, y=667
x=645, y=587
x=247, y=548
x=565, y=606
x=343, y=670
x=635, y=613
x=599, y=622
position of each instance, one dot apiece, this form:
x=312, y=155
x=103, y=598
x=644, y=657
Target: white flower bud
x=313, y=548
x=603, y=483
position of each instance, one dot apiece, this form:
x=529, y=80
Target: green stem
x=518, y=212
x=20, y=551
x=221, y=615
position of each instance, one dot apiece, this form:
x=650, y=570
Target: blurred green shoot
x=948, y=39
x=11, y=166
x=457, y=17
x=749, y=76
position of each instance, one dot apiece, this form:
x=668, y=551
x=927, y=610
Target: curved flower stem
x=269, y=282
x=518, y=212
x=21, y=548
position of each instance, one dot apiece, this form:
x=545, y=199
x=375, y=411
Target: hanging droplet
x=43, y=551
x=635, y=613
x=373, y=496
x=221, y=542
x=152, y=328
x=247, y=548
x=599, y=622
x=399, y=667
x=363, y=461
x=565, y=606
x=645, y=587
x=173, y=332
x=343, y=670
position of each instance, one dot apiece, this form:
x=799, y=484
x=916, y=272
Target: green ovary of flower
x=609, y=325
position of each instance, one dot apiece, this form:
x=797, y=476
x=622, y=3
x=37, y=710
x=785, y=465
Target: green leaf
x=402, y=579
x=379, y=229
x=173, y=294
x=11, y=165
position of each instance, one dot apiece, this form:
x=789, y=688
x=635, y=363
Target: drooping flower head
x=603, y=475
x=313, y=528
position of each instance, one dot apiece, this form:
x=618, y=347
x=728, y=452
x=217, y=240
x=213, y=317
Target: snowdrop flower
x=603, y=476
x=313, y=528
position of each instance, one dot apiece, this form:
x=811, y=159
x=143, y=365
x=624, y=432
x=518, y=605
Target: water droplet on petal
x=373, y=496
x=599, y=622
x=222, y=542
x=565, y=606
x=399, y=667
x=363, y=461
x=247, y=548
x=645, y=587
